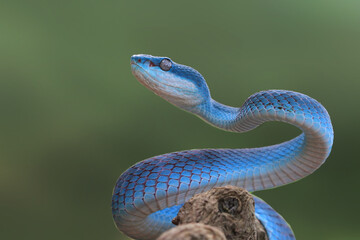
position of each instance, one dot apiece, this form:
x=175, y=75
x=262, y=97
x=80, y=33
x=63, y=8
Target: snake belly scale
x=149, y=194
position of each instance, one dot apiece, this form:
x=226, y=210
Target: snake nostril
x=139, y=60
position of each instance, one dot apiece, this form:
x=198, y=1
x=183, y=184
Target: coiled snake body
x=149, y=194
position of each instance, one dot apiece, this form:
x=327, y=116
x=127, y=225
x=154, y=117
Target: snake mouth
x=168, y=85
x=154, y=84
x=144, y=77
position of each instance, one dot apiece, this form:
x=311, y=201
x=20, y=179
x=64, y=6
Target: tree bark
x=193, y=231
x=230, y=209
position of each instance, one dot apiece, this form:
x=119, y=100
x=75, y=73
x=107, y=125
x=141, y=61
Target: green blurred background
x=73, y=117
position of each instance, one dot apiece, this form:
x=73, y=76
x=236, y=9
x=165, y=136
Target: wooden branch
x=229, y=209
x=193, y=231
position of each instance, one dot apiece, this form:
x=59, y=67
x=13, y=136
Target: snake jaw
x=173, y=88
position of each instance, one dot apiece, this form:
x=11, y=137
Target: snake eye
x=165, y=64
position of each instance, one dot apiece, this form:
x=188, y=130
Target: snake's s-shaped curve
x=149, y=194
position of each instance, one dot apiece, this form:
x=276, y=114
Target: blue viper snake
x=149, y=194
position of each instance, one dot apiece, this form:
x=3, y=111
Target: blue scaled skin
x=149, y=194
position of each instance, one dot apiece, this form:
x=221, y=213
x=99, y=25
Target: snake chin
x=176, y=91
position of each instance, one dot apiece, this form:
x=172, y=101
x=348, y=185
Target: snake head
x=180, y=85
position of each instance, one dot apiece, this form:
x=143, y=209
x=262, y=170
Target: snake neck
x=276, y=105
x=218, y=114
